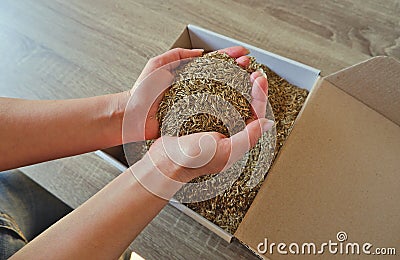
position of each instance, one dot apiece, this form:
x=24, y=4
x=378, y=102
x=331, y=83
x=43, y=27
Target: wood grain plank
x=30, y=70
x=86, y=39
x=171, y=236
x=73, y=179
x=312, y=43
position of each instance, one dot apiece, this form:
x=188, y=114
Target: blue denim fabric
x=26, y=210
x=11, y=237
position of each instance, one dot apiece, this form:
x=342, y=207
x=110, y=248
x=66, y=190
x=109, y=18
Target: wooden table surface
x=53, y=49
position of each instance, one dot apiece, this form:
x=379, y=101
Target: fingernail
x=244, y=59
x=262, y=72
x=248, y=51
x=202, y=50
x=267, y=125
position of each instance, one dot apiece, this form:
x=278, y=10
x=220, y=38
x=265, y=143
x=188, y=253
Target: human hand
x=184, y=158
x=147, y=93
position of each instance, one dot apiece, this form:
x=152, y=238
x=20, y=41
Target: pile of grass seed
x=202, y=81
x=201, y=77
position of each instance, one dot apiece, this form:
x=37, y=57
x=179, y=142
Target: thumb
x=246, y=139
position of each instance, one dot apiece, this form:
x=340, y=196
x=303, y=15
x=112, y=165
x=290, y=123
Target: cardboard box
x=339, y=169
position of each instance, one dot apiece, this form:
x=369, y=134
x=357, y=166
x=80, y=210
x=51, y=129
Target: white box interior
x=295, y=72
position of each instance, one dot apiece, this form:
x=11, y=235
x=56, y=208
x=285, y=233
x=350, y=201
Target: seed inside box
x=213, y=79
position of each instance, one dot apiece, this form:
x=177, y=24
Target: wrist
x=160, y=177
x=117, y=106
x=161, y=163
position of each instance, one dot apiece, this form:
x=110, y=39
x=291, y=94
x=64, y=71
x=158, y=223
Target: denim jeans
x=26, y=210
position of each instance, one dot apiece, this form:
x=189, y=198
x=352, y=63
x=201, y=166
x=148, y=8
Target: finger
x=259, y=94
x=243, y=61
x=235, y=51
x=255, y=75
x=180, y=53
x=191, y=151
x=145, y=97
x=169, y=60
x=174, y=55
x=152, y=85
x=246, y=139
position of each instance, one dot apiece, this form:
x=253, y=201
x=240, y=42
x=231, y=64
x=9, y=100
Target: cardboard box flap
x=338, y=171
x=375, y=82
x=183, y=41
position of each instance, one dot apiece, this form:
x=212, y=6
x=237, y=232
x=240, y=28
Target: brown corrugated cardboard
x=339, y=170
x=183, y=41
x=375, y=82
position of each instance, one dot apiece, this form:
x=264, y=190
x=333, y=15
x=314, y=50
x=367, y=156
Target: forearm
x=39, y=130
x=104, y=226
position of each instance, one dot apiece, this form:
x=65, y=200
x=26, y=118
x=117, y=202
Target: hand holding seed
x=148, y=91
x=189, y=156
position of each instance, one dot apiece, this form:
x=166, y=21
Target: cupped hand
x=187, y=157
x=140, y=122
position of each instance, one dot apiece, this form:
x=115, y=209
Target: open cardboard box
x=339, y=169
